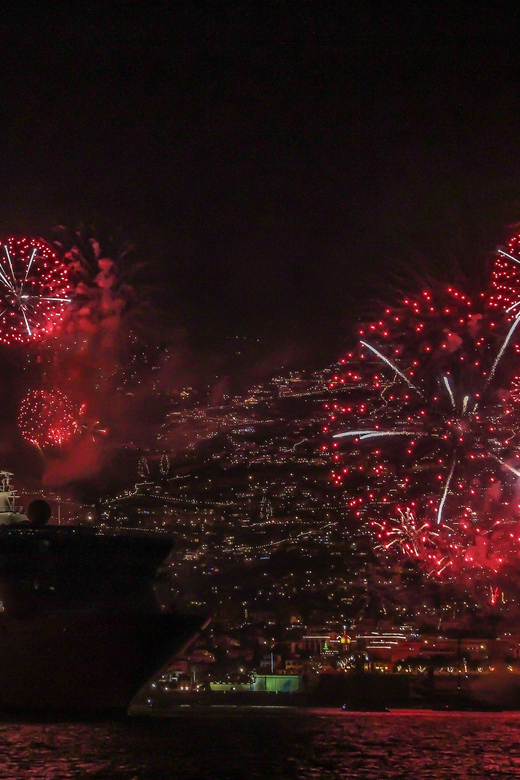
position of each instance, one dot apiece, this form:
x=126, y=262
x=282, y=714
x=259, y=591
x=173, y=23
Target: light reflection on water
x=236, y=743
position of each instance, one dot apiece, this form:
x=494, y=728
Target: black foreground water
x=236, y=743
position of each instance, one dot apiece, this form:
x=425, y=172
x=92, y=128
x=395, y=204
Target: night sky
x=278, y=165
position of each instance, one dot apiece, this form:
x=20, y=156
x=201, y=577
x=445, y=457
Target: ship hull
x=86, y=662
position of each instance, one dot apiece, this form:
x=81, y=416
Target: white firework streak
x=445, y=491
x=410, y=532
x=46, y=298
x=22, y=309
x=407, y=534
x=392, y=365
x=450, y=391
x=506, y=254
x=10, y=262
x=502, y=349
x=506, y=465
x=29, y=264
x=5, y=280
x=374, y=434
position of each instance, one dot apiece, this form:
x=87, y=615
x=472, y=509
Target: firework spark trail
x=29, y=264
x=10, y=262
x=367, y=434
x=502, y=252
x=48, y=298
x=501, y=351
x=392, y=365
x=22, y=309
x=406, y=533
x=445, y=491
x=5, y=280
x=448, y=388
x=506, y=465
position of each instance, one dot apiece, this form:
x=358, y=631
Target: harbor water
x=231, y=743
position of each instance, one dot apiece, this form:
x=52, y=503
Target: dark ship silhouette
x=80, y=628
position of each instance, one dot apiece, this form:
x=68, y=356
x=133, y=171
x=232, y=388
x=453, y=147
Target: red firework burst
x=424, y=434
x=34, y=290
x=47, y=419
x=504, y=291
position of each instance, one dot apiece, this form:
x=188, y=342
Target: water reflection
x=271, y=744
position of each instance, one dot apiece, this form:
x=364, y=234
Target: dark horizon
x=273, y=163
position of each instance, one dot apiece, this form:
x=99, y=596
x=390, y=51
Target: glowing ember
x=34, y=290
